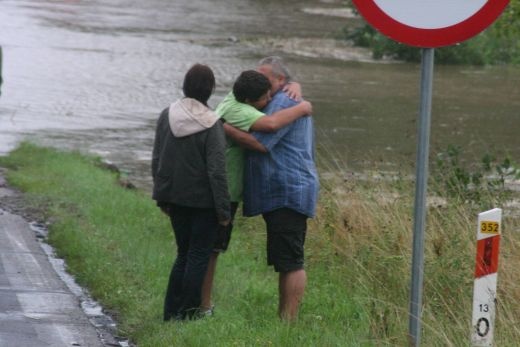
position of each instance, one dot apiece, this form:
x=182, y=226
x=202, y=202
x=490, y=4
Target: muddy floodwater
x=94, y=75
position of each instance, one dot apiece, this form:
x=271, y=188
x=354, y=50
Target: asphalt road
x=37, y=308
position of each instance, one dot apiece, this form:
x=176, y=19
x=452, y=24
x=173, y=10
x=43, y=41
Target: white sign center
x=430, y=14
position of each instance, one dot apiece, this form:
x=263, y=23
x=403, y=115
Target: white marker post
x=485, y=287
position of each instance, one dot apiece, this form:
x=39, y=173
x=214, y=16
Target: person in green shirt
x=241, y=109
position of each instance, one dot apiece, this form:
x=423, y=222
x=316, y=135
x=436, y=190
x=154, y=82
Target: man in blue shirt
x=282, y=185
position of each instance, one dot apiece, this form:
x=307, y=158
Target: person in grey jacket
x=190, y=186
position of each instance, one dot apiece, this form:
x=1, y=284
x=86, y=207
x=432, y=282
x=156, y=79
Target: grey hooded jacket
x=188, y=160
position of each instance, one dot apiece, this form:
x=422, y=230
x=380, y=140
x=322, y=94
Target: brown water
x=93, y=75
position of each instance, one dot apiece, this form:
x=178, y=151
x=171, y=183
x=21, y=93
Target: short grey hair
x=278, y=66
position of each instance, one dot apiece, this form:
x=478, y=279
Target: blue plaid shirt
x=285, y=176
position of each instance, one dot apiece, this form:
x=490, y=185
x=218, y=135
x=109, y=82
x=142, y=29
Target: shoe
x=173, y=317
x=208, y=312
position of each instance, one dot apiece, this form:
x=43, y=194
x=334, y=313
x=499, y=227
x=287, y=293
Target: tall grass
x=358, y=253
x=370, y=222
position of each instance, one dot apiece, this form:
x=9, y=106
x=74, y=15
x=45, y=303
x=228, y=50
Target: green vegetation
x=472, y=183
x=120, y=246
x=499, y=44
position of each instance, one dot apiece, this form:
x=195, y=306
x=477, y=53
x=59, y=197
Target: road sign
x=485, y=286
x=430, y=23
x=427, y=24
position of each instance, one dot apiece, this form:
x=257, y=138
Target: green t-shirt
x=241, y=116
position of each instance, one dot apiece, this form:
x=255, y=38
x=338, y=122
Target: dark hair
x=199, y=83
x=251, y=85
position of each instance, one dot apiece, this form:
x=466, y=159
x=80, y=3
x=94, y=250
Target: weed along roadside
x=117, y=244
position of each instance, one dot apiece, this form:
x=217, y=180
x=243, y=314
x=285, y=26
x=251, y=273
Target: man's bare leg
x=291, y=287
x=207, y=285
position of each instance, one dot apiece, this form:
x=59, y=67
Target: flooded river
x=94, y=74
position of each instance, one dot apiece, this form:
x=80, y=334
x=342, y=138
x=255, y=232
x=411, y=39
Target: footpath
x=37, y=308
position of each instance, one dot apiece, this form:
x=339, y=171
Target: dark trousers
x=195, y=233
x=286, y=231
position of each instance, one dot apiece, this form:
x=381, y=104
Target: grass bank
x=118, y=244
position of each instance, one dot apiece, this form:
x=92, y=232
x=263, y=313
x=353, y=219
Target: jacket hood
x=188, y=116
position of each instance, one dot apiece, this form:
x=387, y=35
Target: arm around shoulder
x=282, y=118
x=244, y=139
x=293, y=90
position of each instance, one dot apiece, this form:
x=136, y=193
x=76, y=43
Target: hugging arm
x=293, y=90
x=282, y=118
x=244, y=139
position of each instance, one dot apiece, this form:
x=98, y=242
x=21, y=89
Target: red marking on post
x=487, y=256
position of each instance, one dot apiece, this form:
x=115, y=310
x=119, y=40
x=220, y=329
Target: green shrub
x=473, y=183
x=499, y=44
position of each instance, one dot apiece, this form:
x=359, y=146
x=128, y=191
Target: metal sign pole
x=420, y=196
x=435, y=25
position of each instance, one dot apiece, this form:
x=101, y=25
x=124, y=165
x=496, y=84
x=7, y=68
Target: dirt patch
x=315, y=48
x=14, y=202
x=342, y=12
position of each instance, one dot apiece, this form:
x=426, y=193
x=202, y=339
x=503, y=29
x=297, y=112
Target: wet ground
x=40, y=304
x=93, y=75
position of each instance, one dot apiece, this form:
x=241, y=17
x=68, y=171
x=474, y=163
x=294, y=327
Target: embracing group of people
x=256, y=147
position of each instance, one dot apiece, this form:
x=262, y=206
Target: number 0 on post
x=485, y=287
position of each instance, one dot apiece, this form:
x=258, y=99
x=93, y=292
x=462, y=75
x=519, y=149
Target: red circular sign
x=387, y=17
